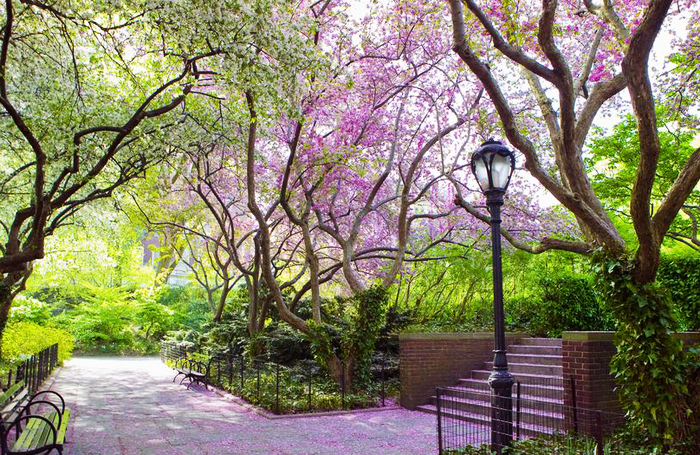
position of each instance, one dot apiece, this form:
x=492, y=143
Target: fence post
x=573, y=399
x=242, y=372
x=383, y=389
x=40, y=368
x=218, y=370
x=599, y=433
x=31, y=372
x=35, y=370
x=342, y=385
x=439, y=420
x=258, y=386
x=517, y=413
x=310, y=378
x=230, y=370
x=277, y=391
x=9, y=378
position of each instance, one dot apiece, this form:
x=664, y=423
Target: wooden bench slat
x=11, y=409
x=28, y=433
x=52, y=417
x=10, y=393
x=40, y=435
x=43, y=436
x=64, y=426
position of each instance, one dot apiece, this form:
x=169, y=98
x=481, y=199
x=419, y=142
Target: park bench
x=192, y=370
x=34, y=431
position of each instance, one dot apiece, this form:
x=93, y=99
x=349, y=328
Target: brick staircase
x=537, y=364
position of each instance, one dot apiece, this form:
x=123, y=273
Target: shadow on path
x=125, y=406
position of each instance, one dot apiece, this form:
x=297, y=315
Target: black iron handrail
x=35, y=369
x=236, y=373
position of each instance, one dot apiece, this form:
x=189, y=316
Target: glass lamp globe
x=493, y=165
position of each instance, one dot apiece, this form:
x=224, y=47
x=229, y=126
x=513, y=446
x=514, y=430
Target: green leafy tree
x=84, y=113
x=614, y=159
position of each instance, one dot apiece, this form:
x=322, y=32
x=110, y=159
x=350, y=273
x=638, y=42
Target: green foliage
x=293, y=388
x=679, y=276
x=650, y=364
x=29, y=309
x=567, y=444
x=453, y=291
x=563, y=302
x=613, y=160
x=103, y=322
x=23, y=339
x=353, y=337
x=366, y=321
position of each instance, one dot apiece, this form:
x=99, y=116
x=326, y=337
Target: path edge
x=268, y=415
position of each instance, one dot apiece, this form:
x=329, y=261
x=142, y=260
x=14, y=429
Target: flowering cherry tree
x=575, y=57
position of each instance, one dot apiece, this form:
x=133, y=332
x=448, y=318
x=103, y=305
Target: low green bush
x=293, y=389
x=679, y=276
x=29, y=309
x=23, y=339
x=569, y=444
x=567, y=302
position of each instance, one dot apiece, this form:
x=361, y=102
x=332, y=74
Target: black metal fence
x=282, y=389
x=538, y=411
x=35, y=369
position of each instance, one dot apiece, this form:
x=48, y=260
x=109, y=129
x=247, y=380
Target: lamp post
x=493, y=166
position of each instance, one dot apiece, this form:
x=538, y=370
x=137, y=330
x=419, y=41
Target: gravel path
x=129, y=406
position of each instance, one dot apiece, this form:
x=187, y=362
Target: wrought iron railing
x=538, y=411
x=274, y=386
x=34, y=370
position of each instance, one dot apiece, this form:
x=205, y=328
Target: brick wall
x=586, y=359
x=430, y=360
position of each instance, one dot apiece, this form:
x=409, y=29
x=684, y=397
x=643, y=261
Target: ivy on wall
x=650, y=365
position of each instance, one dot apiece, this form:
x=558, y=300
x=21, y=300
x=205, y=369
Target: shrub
x=29, y=309
x=568, y=444
x=26, y=338
x=680, y=277
x=566, y=302
x=103, y=325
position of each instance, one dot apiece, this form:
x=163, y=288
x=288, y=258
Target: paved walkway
x=129, y=406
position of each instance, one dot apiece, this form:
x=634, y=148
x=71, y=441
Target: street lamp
x=493, y=165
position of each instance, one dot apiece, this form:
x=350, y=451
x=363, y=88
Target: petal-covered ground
x=130, y=406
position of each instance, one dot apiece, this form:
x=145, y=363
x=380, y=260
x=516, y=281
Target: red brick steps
x=537, y=364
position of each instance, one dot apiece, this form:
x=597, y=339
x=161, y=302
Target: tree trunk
x=225, y=289
x=15, y=280
x=650, y=364
x=342, y=371
x=5, y=305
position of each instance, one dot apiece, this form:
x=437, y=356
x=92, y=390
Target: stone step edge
x=546, y=356
x=523, y=397
x=522, y=384
x=523, y=409
x=429, y=408
x=512, y=364
x=525, y=375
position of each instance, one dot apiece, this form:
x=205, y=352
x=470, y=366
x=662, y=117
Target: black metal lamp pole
x=493, y=165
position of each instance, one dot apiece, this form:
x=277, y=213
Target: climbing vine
x=650, y=367
x=352, y=339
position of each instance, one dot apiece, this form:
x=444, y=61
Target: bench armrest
x=27, y=411
x=44, y=392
